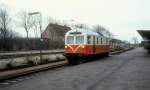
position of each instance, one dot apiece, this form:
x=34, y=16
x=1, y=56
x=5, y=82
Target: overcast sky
x=121, y=17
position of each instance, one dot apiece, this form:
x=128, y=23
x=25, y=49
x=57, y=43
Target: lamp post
x=40, y=23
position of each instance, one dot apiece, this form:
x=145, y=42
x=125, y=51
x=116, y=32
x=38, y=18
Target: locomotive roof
x=82, y=32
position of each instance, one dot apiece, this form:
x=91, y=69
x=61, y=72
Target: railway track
x=4, y=75
x=25, y=71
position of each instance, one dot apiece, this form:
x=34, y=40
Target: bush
x=30, y=63
x=9, y=65
x=44, y=61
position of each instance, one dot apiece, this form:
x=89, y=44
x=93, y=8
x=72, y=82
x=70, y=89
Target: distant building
x=115, y=43
x=55, y=32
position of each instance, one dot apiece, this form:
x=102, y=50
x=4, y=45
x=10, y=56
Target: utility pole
x=40, y=23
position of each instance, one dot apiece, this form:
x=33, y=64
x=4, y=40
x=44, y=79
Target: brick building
x=55, y=32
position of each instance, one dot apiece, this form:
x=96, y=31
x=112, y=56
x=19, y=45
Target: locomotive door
x=93, y=44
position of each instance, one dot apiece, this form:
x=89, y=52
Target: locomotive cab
x=75, y=43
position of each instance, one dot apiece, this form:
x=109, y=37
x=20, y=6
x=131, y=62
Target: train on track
x=82, y=44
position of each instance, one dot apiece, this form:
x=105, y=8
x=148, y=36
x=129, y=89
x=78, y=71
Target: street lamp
x=40, y=23
x=33, y=13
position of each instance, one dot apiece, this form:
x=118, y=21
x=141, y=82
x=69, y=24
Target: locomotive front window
x=79, y=40
x=70, y=39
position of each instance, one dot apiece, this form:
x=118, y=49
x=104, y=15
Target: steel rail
x=25, y=71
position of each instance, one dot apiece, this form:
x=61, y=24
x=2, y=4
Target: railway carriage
x=81, y=44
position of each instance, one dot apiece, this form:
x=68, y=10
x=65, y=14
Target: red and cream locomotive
x=81, y=44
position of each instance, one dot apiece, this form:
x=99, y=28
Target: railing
x=6, y=55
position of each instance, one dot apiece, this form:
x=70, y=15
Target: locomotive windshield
x=79, y=40
x=70, y=39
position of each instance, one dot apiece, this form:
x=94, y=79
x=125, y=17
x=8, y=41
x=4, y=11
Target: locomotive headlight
x=83, y=46
x=65, y=46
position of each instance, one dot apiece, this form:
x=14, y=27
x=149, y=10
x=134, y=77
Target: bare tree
x=4, y=23
x=81, y=26
x=5, y=32
x=1, y=33
x=35, y=28
x=100, y=29
x=36, y=23
x=26, y=22
x=51, y=20
x=135, y=41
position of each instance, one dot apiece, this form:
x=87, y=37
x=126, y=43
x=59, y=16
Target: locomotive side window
x=88, y=39
x=101, y=40
x=70, y=39
x=97, y=40
x=79, y=40
x=106, y=41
